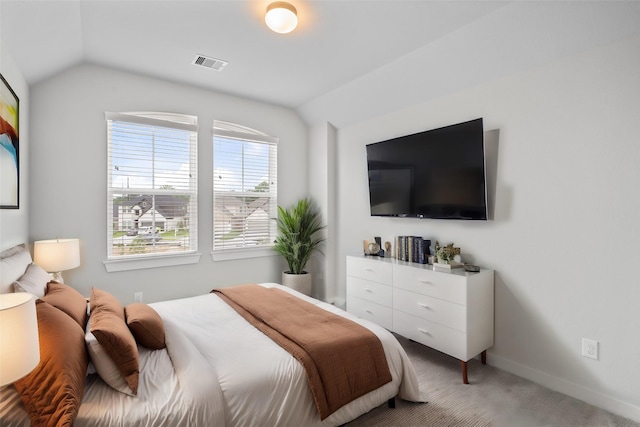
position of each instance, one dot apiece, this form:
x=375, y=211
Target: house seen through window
x=152, y=184
x=245, y=190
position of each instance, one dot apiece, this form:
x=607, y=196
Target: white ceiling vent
x=212, y=63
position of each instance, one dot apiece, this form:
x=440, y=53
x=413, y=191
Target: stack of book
x=413, y=249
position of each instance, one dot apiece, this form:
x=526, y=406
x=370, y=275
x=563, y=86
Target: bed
x=219, y=370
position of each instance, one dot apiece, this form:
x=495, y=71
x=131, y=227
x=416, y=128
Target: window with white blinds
x=245, y=188
x=152, y=197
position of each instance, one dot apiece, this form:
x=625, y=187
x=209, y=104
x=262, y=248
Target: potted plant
x=297, y=242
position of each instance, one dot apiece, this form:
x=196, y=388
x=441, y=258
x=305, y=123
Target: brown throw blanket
x=342, y=359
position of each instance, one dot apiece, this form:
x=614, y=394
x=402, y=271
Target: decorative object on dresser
x=413, y=249
x=379, y=242
x=374, y=248
x=448, y=310
x=57, y=255
x=365, y=246
x=297, y=242
x=448, y=256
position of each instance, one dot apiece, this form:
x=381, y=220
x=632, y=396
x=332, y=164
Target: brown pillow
x=52, y=392
x=111, y=331
x=68, y=300
x=146, y=325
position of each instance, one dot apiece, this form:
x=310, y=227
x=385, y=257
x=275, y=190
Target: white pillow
x=104, y=366
x=34, y=281
x=13, y=250
x=13, y=264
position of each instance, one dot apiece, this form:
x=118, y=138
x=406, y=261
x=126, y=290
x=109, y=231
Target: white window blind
x=152, y=185
x=245, y=188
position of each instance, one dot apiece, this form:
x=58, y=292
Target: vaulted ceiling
x=337, y=44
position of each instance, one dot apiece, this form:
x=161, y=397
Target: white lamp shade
x=281, y=17
x=19, y=345
x=57, y=255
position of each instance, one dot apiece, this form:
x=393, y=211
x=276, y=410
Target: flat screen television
x=438, y=173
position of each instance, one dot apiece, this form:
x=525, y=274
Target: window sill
x=151, y=262
x=230, y=254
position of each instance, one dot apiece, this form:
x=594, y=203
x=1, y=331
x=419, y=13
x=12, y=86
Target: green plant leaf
x=297, y=240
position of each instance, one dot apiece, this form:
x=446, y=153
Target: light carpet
x=493, y=398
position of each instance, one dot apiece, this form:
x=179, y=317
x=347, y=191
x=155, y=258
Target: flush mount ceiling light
x=281, y=17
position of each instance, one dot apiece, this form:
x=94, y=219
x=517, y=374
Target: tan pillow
x=111, y=331
x=52, y=392
x=68, y=300
x=146, y=325
x=103, y=365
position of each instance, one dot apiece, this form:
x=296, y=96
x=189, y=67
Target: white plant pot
x=298, y=282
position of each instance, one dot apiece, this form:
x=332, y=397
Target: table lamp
x=56, y=256
x=19, y=345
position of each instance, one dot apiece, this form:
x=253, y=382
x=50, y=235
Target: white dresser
x=448, y=310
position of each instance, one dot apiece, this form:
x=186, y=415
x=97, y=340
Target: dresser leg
x=463, y=365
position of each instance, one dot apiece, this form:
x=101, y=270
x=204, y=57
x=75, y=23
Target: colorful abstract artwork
x=9, y=147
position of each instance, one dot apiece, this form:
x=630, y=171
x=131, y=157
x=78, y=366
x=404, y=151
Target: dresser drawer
x=429, y=308
x=370, y=269
x=371, y=311
x=447, y=286
x=432, y=335
x=370, y=291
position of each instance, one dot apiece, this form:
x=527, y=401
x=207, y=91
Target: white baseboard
x=608, y=403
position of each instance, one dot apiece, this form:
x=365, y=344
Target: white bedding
x=219, y=370
x=161, y=399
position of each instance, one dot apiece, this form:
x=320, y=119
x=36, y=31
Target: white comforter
x=219, y=370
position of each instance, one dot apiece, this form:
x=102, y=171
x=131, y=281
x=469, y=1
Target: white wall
x=14, y=223
x=68, y=174
x=564, y=239
x=322, y=190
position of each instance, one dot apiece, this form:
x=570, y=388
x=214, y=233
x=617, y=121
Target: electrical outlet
x=137, y=296
x=590, y=348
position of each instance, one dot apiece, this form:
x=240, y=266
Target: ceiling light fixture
x=281, y=17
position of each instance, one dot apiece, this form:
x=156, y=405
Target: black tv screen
x=439, y=173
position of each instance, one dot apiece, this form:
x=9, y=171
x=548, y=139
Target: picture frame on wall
x=9, y=147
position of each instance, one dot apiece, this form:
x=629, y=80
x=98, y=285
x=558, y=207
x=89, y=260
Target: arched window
x=245, y=188
x=152, y=185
